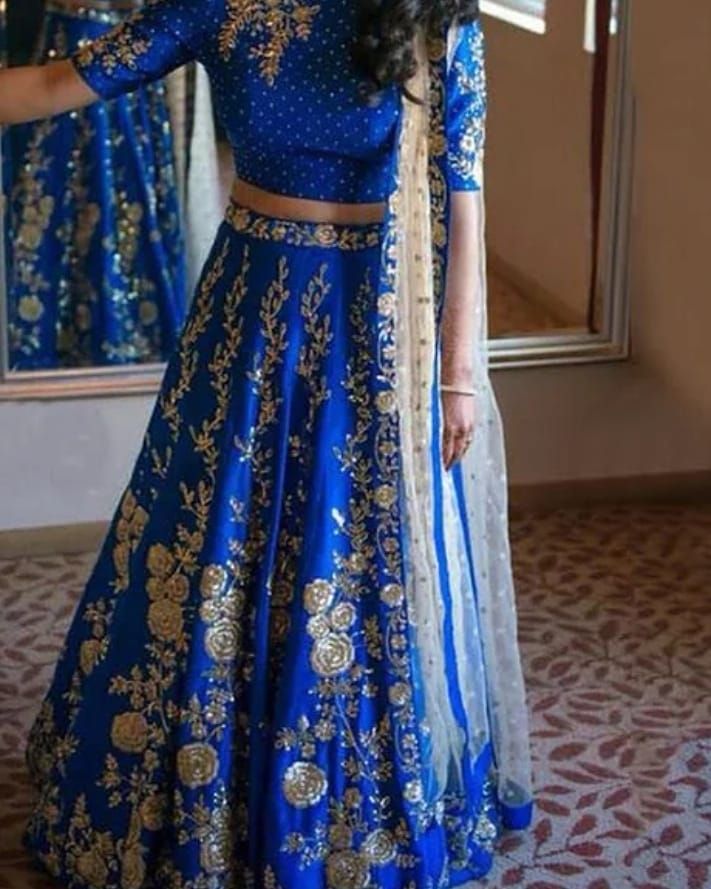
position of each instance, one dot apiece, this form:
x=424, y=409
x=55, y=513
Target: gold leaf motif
x=92, y=868
x=271, y=25
x=133, y=868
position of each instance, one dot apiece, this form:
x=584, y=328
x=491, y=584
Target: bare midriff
x=280, y=206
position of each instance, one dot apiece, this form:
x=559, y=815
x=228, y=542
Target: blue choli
x=290, y=106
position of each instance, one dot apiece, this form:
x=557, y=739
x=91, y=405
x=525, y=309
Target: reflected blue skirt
x=96, y=267
x=237, y=702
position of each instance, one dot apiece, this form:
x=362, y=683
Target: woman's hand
x=39, y=91
x=458, y=417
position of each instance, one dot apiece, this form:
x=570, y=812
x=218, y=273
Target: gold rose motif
x=385, y=496
x=151, y=811
x=215, y=854
x=343, y=616
x=399, y=694
x=213, y=580
x=197, y=765
x=92, y=868
x=347, y=869
x=352, y=798
x=209, y=611
x=282, y=592
x=222, y=641
x=165, y=619
x=133, y=868
x=332, y=654
x=317, y=626
x=325, y=235
x=392, y=594
x=121, y=555
x=304, y=784
x=413, y=791
x=280, y=623
x=379, y=846
x=155, y=587
x=177, y=588
x=357, y=562
x=318, y=595
x=89, y=654
x=386, y=401
x=160, y=560
x=340, y=836
x=129, y=732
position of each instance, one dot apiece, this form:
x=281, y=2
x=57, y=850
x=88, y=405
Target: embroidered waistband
x=303, y=234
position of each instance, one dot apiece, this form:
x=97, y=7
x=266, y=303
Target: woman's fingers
x=458, y=426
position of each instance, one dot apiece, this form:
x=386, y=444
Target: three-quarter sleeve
x=466, y=104
x=154, y=40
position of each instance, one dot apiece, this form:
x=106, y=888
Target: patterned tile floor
x=615, y=627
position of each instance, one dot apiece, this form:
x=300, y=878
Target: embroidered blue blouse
x=287, y=93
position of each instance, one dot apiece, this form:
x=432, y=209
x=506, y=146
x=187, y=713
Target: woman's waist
x=297, y=209
x=312, y=175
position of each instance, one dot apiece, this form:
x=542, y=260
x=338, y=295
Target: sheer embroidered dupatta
x=470, y=540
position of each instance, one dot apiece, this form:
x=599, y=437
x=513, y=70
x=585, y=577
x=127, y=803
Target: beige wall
x=66, y=462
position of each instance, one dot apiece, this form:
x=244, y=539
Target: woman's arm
x=461, y=313
x=459, y=318
x=141, y=49
x=38, y=91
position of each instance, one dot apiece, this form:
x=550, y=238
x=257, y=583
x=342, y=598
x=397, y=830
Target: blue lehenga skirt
x=96, y=254
x=236, y=704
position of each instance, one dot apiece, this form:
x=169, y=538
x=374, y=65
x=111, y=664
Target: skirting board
x=692, y=487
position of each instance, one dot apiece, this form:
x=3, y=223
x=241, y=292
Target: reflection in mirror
x=98, y=215
x=554, y=198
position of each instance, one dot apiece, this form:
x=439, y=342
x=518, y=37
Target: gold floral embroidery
x=303, y=234
x=118, y=47
x=465, y=151
x=273, y=24
x=304, y=784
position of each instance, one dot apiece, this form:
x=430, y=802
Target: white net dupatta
x=482, y=624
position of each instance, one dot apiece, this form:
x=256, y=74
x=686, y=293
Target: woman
x=295, y=661
x=96, y=241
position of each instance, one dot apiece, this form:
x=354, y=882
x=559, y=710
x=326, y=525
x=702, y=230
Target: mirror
x=558, y=175
x=103, y=235
x=102, y=239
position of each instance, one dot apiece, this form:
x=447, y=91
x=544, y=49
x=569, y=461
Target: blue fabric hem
x=516, y=817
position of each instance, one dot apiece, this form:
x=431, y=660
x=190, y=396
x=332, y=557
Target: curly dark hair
x=383, y=50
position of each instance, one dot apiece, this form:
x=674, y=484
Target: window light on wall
x=528, y=14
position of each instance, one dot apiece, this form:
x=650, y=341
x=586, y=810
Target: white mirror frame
x=611, y=343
